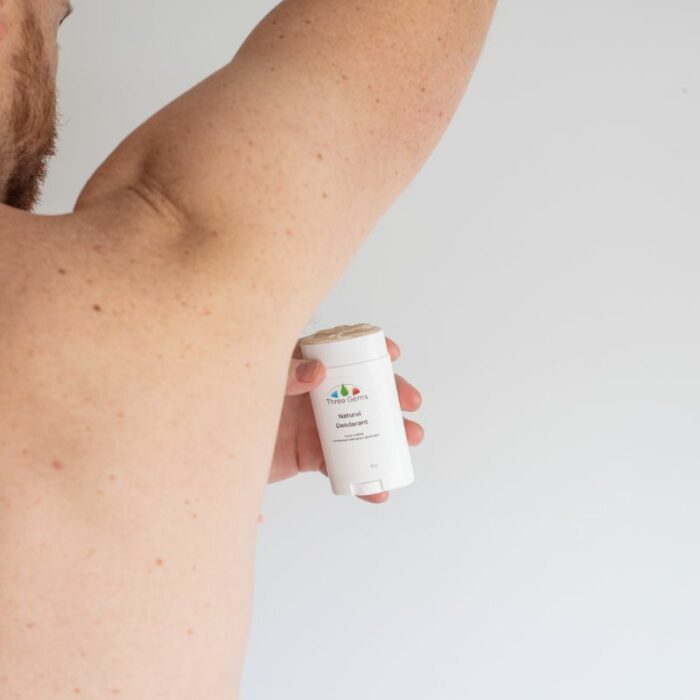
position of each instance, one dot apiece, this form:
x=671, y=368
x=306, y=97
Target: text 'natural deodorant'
x=357, y=411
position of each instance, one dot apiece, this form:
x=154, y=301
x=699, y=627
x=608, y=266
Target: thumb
x=304, y=375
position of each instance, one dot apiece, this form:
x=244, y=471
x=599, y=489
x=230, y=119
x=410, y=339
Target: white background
x=541, y=278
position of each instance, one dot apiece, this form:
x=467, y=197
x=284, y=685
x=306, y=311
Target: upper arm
x=288, y=155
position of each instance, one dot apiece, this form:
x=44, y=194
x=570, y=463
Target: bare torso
x=135, y=452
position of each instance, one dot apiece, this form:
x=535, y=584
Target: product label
x=361, y=426
x=347, y=402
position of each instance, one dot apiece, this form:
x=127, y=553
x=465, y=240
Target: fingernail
x=307, y=371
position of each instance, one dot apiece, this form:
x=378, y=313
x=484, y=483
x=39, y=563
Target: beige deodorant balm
x=357, y=411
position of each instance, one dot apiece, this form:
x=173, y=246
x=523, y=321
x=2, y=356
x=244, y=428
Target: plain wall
x=541, y=278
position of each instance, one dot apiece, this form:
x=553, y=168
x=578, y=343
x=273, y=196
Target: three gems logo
x=344, y=390
x=345, y=393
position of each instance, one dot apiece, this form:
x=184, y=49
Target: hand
x=298, y=447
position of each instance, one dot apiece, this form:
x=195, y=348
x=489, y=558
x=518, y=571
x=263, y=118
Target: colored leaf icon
x=344, y=390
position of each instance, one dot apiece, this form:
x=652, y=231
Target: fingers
x=414, y=432
x=409, y=397
x=303, y=376
x=393, y=349
x=376, y=497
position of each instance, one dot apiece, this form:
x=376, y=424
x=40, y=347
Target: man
x=147, y=335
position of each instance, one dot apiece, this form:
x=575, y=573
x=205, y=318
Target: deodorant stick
x=357, y=411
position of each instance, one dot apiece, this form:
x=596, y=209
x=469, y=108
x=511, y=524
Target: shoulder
x=114, y=292
x=125, y=250
x=74, y=263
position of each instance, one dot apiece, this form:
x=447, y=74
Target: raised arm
x=147, y=339
x=290, y=153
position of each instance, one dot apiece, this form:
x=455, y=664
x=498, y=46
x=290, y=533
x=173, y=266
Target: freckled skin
x=148, y=336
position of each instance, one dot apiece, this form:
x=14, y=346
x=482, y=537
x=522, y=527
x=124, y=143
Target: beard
x=32, y=137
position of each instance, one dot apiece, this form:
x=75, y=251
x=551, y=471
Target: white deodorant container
x=357, y=411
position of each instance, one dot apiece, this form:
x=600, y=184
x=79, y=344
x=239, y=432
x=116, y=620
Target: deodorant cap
x=345, y=345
